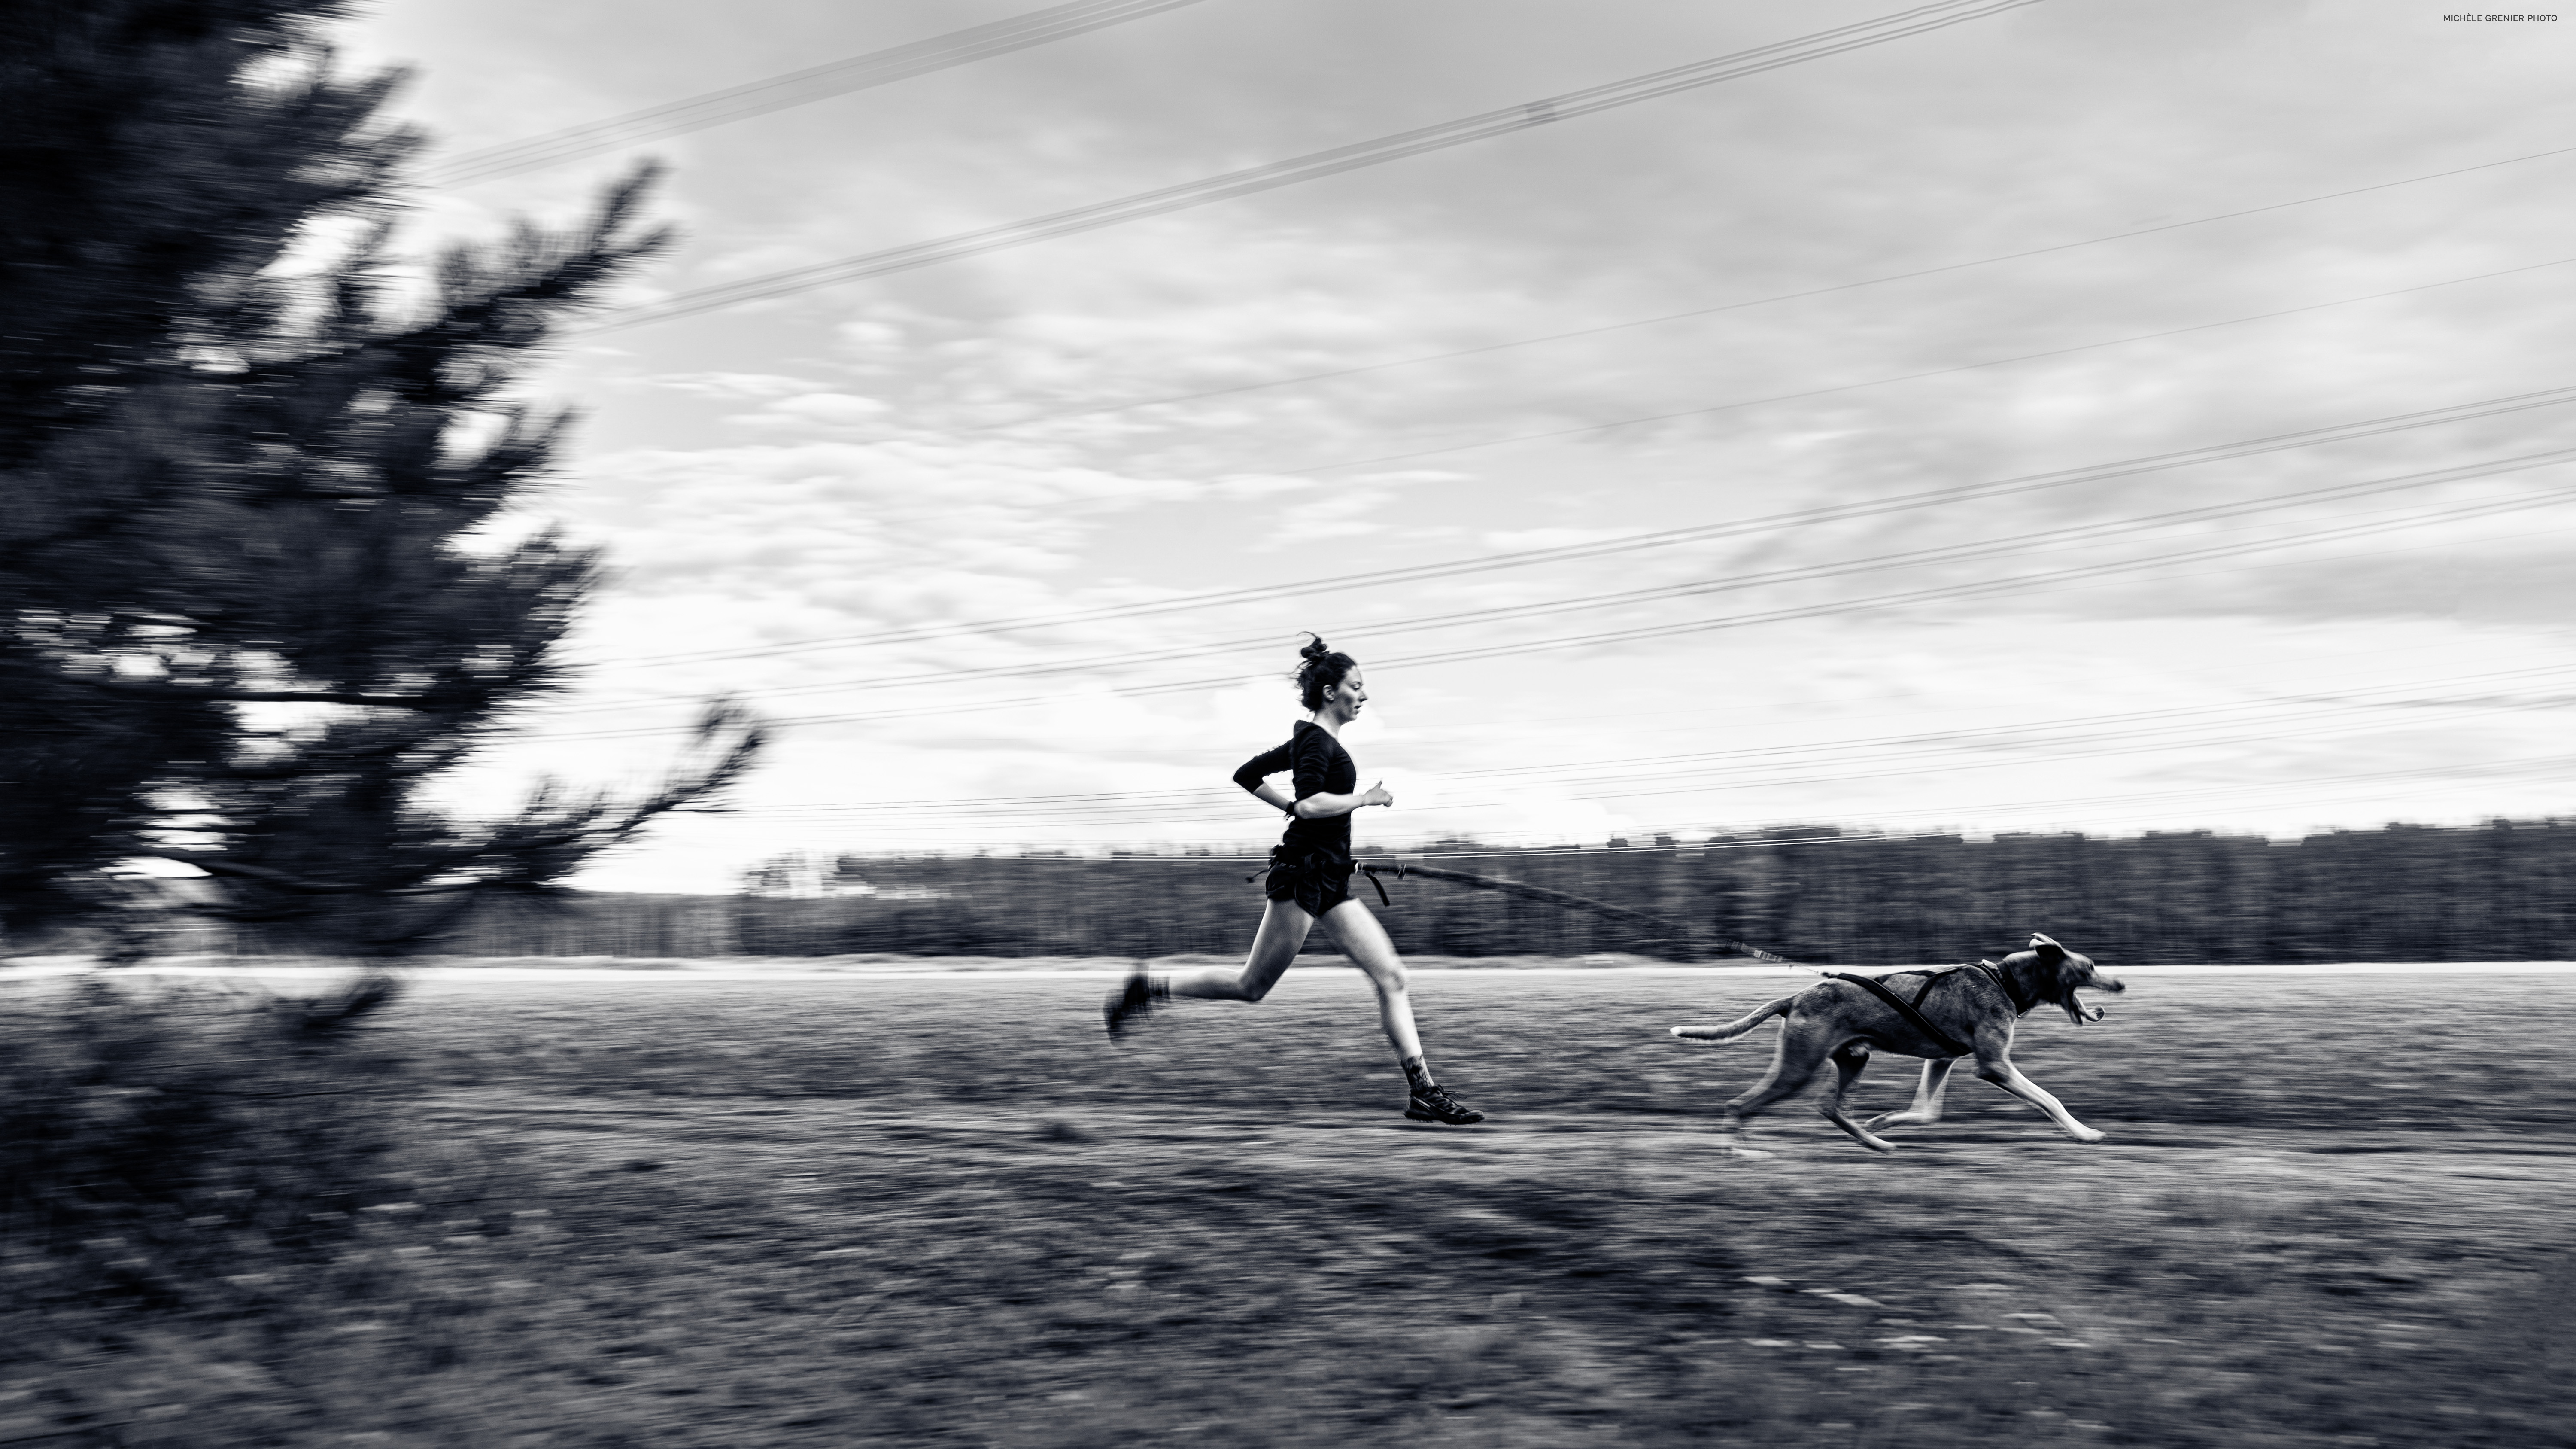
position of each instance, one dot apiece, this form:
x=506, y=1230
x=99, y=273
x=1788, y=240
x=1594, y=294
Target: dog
x=1954, y=1011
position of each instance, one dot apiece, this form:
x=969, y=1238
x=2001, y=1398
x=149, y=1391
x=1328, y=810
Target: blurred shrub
x=171, y=1122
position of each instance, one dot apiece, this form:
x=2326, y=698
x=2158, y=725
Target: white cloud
x=836, y=411
x=733, y=385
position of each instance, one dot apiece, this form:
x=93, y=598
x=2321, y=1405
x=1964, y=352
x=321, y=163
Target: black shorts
x=1313, y=891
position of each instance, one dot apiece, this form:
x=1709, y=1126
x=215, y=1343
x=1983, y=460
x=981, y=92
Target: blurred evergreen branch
x=238, y=468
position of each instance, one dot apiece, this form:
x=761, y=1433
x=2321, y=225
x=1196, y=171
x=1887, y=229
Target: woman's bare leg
x=1274, y=949
x=1362, y=939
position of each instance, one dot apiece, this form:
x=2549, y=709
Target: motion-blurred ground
x=833, y=1210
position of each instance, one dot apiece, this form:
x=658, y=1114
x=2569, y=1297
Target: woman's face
x=1349, y=695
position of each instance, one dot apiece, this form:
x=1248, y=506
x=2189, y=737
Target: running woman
x=1310, y=879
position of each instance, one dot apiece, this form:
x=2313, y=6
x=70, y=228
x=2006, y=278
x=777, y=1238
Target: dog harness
x=1913, y=1010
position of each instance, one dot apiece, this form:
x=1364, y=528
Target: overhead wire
x=1620, y=788
x=794, y=88
x=1576, y=334
x=2152, y=722
x=1665, y=538
x=2553, y=764
x=1382, y=857
x=1635, y=787
x=2041, y=741
x=1485, y=125
x=2158, y=720
x=2029, y=744
x=1226, y=851
x=1911, y=558
x=1586, y=429
x=1972, y=588
x=2028, y=583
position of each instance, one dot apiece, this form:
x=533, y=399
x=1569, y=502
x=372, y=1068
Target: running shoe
x=1431, y=1104
x=1129, y=1003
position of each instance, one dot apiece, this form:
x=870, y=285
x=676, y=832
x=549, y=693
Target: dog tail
x=1734, y=1029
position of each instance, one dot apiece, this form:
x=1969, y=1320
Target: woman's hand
x=1319, y=807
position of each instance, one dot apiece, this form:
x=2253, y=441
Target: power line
x=1584, y=429
x=2045, y=581
x=2160, y=743
x=1715, y=310
x=2014, y=583
x=1623, y=787
x=1665, y=538
x=1387, y=855
x=2554, y=764
x=795, y=88
x=2159, y=721
x=1733, y=583
x=1313, y=166
x=2102, y=723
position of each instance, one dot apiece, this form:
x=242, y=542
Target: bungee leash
x=1667, y=931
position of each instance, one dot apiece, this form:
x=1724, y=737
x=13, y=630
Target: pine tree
x=245, y=621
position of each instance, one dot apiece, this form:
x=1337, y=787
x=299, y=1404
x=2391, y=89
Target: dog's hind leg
x=1926, y=1109
x=1998, y=1069
x=1849, y=1059
x=1794, y=1062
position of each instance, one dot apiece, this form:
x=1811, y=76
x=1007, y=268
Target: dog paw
x=2088, y=1134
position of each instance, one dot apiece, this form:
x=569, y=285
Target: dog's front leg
x=1927, y=1100
x=1999, y=1070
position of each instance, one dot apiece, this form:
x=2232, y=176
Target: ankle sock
x=1416, y=1075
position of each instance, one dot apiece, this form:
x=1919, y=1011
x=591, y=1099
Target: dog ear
x=2044, y=946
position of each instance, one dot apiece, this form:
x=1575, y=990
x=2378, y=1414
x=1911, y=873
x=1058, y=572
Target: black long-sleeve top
x=1321, y=767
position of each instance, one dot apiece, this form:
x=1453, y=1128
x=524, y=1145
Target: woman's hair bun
x=1323, y=667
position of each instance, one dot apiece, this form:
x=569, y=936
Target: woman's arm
x=1316, y=754
x=1253, y=776
x=1320, y=806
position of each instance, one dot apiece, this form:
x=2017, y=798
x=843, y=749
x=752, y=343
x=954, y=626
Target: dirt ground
x=869, y=1209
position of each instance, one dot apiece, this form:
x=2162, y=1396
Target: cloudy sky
x=1908, y=437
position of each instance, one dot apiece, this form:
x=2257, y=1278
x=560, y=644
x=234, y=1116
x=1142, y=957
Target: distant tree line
x=2501, y=891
